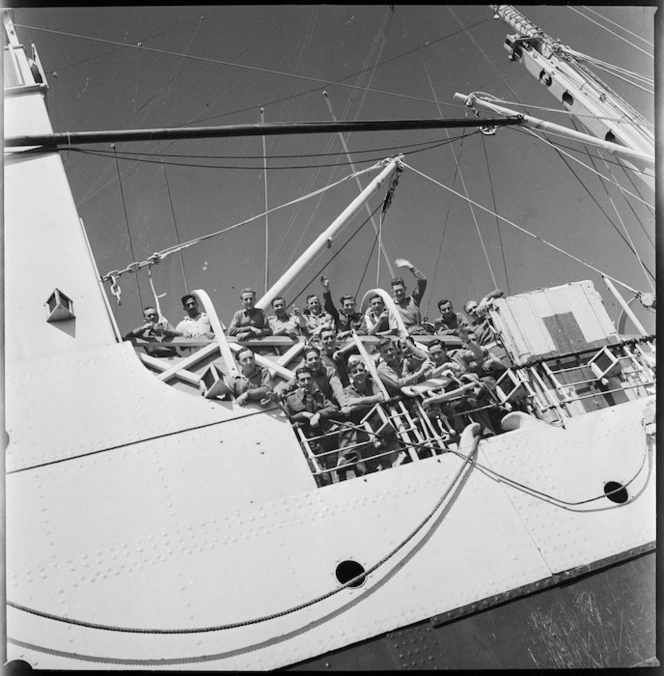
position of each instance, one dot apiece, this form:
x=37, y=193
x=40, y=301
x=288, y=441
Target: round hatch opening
x=616, y=492
x=348, y=570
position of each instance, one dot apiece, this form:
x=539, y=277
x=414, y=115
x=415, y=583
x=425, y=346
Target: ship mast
x=601, y=110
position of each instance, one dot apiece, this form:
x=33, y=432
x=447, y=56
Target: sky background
x=413, y=57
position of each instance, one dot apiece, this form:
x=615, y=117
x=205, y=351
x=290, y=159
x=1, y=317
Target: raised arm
x=328, y=303
x=421, y=284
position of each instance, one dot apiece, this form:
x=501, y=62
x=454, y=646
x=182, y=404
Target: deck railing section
x=428, y=422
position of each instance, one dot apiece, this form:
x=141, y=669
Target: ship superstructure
x=152, y=522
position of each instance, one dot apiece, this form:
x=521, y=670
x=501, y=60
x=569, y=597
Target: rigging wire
x=267, y=230
x=559, y=146
x=615, y=209
x=341, y=248
x=609, y=67
x=360, y=72
x=608, y=30
x=589, y=9
x=495, y=208
x=359, y=186
x=449, y=204
x=112, y=51
x=527, y=232
x=131, y=248
x=200, y=156
x=589, y=192
x=176, y=72
x=175, y=224
x=258, y=69
x=134, y=266
x=366, y=265
x=612, y=71
x=499, y=100
x=629, y=177
x=463, y=183
x=91, y=194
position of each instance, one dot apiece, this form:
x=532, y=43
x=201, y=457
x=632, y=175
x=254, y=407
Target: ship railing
x=390, y=433
x=571, y=384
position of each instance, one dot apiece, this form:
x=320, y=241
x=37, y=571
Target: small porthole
x=348, y=570
x=616, y=492
x=568, y=99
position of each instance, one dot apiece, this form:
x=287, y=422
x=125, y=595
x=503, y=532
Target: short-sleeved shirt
x=316, y=323
x=146, y=333
x=242, y=320
x=258, y=384
x=293, y=324
x=373, y=319
x=194, y=328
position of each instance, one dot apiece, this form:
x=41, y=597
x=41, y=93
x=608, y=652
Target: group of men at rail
x=334, y=387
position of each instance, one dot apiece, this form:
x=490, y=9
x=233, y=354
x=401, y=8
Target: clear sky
x=131, y=67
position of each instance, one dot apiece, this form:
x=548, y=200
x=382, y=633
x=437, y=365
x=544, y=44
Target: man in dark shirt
x=331, y=356
x=250, y=321
x=325, y=377
x=348, y=319
x=449, y=322
x=355, y=444
x=312, y=411
x=253, y=383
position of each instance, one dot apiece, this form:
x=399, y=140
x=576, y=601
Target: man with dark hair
x=478, y=313
x=250, y=321
x=314, y=317
x=284, y=324
x=311, y=410
x=408, y=306
x=358, y=398
x=325, y=377
x=196, y=324
x=155, y=330
x=378, y=317
x=331, y=356
x=400, y=367
x=449, y=322
x=253, y=382
x=348, y=319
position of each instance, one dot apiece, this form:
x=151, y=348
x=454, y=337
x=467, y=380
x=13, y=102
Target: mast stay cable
x=589, y=192
x=521, y=229
x=131, y=247
x=608, y=30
